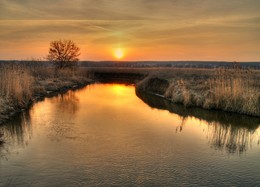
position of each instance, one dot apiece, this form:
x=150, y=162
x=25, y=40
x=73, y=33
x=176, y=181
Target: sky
x=221, y=30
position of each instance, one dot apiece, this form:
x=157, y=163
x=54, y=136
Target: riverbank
x=20, y=88
x=231, y=90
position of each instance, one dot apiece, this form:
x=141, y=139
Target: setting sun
x=119, y=53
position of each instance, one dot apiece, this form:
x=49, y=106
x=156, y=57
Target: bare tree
x=63, y=53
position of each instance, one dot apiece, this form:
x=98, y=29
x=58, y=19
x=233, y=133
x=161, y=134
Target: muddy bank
x=200, y=93
x=9, y=107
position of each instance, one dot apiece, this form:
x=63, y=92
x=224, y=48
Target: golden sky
x=141, y=29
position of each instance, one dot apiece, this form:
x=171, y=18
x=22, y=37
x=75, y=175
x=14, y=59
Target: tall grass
x=16, y=84
x=20, y=81
x=235, y=90
x=24, y=82
x=230, y=89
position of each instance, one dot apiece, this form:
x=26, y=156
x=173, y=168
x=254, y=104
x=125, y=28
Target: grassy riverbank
x=233, y=90
x=21, y=85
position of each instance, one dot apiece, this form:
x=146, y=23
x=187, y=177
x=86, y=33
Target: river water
x=104, y=134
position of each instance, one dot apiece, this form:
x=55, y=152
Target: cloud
x=187, y=24
x=125, y=9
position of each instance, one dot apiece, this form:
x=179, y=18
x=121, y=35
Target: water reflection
x=59, y=115
x=230, y=138
x=104, y=133
x=17, y=132
x=67, y=102
x=230, y=132
x=225, y=131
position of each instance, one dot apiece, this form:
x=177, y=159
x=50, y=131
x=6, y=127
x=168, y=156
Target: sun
x=119, y=53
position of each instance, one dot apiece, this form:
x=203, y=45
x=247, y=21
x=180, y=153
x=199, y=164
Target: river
x=104, y=134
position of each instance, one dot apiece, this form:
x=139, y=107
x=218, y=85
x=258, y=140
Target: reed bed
x=235, y=90
x=16, y=84
x=229, y=89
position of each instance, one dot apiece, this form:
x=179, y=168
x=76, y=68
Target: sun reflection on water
x=105, y=130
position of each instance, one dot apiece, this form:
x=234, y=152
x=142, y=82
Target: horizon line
x=124, y=61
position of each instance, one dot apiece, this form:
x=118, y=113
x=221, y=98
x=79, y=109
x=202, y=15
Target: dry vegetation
x=20, y=85
x=16, y=84
x=234, y=89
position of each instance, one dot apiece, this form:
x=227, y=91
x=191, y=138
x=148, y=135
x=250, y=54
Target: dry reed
x=16, y=84
x=235, y=90
x=229, y=89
